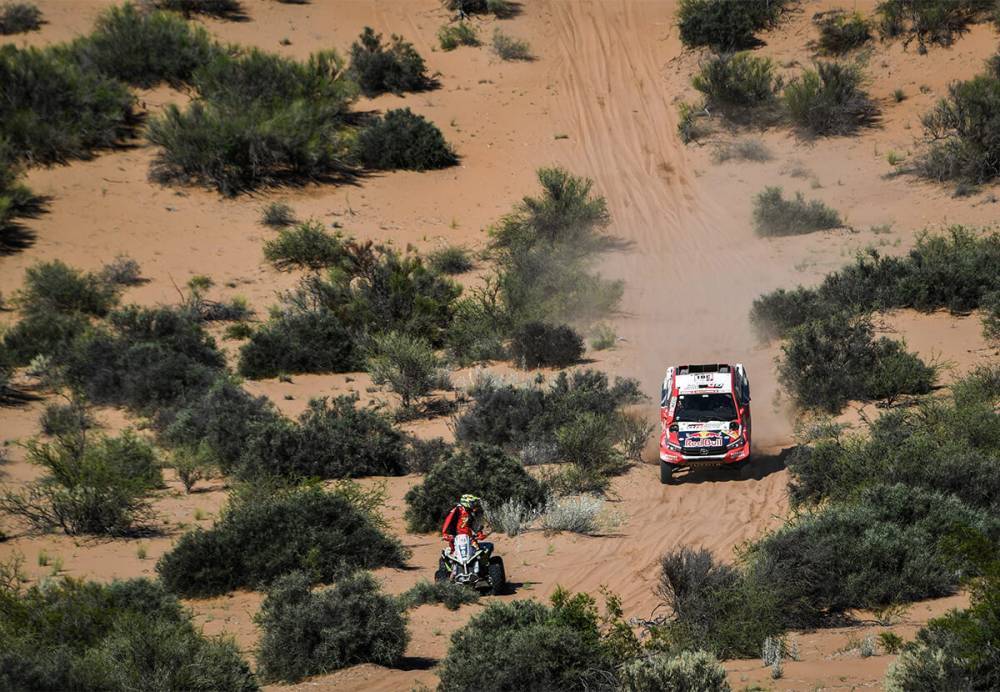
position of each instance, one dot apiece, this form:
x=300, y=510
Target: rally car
x=705, y=417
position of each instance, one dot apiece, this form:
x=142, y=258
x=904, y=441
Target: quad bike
x=472, y=566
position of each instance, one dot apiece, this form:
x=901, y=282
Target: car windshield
x=700, y=408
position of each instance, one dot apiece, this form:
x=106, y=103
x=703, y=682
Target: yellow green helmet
x=469, y=501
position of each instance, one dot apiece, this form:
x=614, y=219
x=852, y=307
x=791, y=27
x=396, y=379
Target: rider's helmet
x=471, y=503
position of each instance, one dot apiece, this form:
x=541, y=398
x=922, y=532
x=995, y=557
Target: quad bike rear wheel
x=498, y=578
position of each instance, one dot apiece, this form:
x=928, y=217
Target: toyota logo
x=703, y=451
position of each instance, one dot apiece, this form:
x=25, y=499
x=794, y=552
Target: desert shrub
x=305, y=341
x=509, y=48
x=19, y=17
x=54, y=110
x=544, y=248
x=277, y=215
x=88, y=486
x=603, y=337
x=829, y=100
x=309, y=632
x=259, y=120
x=403, y=139
x=17, y=201
x=948, y=446
x=991, y=316
x=70, y=634
x=688, y=670
x=962, y=129
x=332, y=439
x=951, y=270
x=889, y=545
x=267, y=532
x=841, y=31
x=512, y=516
x=306, y=246
x=223, y=9
x=501, y=9
x=773, y=215
x=408, y=365
x=144, y=48
x=826, y=363
x=55, y=287
x=424, y=454
x=574, y=514
x=453, y=36
x=223, y=419
x=527, y=645
x=743, y=150
x=452, y=259
x=481, y=470
x=62, y=419
x=588, y=440
x=121, y=271
x=38, y=333
x=537, y=344
x=476, y=331
x=378, y=68
x=737, y=82
x=929, y=21
x=148, y=359
x=451, y=594
x=725, y=25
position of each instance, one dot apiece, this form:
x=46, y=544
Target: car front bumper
x=731, y=456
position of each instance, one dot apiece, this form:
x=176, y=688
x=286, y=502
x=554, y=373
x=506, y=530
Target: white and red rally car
x=705, y=416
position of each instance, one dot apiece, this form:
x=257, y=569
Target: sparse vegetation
x=451, y=260
x=840, y=31
x=395, y=67
x=306, y=246
x=74, y=634
x=449, y=593
x=454, y=35
x=402, y=139
x=743, y=150
x=309, y=632
x=581, y=514
x=929, y=21
x=828, y=99
x=509, y=48
x=688, y=670
x=19, y=17
x=65, y=419
x=773, y=215
x=223, y=9
x=278, y=215
x=121, y=271
x=736, y=83
x=267, y=532
x=408, y=365
x=724, y=25
x=484, y=471
x=603, y=337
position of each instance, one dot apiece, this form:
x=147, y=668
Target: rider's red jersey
x=459, y=521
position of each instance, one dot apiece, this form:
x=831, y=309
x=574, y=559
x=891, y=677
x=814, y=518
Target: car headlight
x=672, y=447
x=738, y=442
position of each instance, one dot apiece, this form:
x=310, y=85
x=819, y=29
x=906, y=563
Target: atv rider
x=466, y=518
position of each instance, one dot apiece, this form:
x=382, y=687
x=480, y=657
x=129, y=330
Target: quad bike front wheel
x=441, y=576
x=498, y=578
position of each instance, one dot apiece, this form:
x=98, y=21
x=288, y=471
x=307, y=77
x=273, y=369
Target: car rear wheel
x=666, y=472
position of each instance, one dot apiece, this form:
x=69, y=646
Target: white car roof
x=704, y=383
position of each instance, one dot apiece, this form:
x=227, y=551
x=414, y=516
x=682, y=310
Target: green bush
x=536, y=344
x=149, y=359
x=378, y=68
x=260, y=120
x=278, y=215
x=38, y=333
x=950, y=446
x=841, y=31
x=689, y=670
x=773, y=215
x=501, y=9
x=54, y=110
x=403, y=139
x=452, y=259
x=55, y=287
x=69, y=634
x=736, y=82
x=63, y=419
x=527, y=645
x=826, y=363
x=19, y=17
x=929, y=21
x=313, y=632
x=223, y=9
x=743, y=150
x=409, y=366
x=476, y=331
x=461, y=34
x=725, y=25
x=962, y=128
x=17, y=201
x=267, y=532
x=306, y=341
x=332, y=439
x=508, y=48
x=89, y=487
x=829, y=100
x=144, y=48
x=953, y=270
x=451, y=594
x=306, y=246
x=223, y=418
x=481, y=470
x=991, y=318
